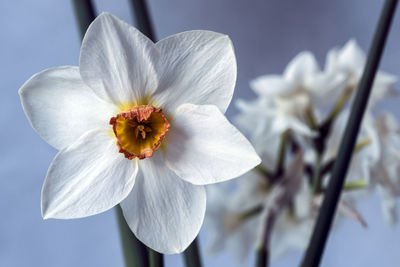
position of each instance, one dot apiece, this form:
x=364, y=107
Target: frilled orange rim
x=139, y=131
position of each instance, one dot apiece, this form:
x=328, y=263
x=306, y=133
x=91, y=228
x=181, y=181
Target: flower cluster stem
x=84, y=13
x=317, y=244
x=192, y=255
x=262, y=257
x=317, y=179
x=156, y=259
x=142, y=16
x=135, y=252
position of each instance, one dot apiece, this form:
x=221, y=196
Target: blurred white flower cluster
x=296, y=125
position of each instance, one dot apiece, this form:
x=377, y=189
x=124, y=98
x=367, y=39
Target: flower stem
x=285, y=138
x=262, y=257
x=317, y=244
x=192, y=255
x=142, y=16
x=156, y=259
x=310, y=117
x=316, y=181
x=340, y=104
x=84, y=13
x=135, y=252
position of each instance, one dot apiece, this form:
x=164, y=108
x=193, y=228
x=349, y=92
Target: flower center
x=139, y=131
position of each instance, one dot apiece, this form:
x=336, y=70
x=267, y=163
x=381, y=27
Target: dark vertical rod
x=142, y=16
x=317, y=244
x=84, y=13
x=262, y=257
x=192, y=255
x=156, y=259
x=135, y=252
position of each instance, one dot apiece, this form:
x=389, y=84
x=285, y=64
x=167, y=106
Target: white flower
x=255, y=120
x=301, y=86
x=349, y=61
x=388, y=168
x=362, y=160
x=165, y=103
x=235, y=214
x=287, y=217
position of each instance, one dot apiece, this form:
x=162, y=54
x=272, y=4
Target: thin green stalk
x=192, y=255
x=262, y=257
x=310, y=117
x=322, y=227
x=285, y=137
x=135, y=252
x=337, y=108
x=262, y=251
x=316, y=180
x=156, y=259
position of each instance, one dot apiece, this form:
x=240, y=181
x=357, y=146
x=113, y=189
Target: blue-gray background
x=266, y=34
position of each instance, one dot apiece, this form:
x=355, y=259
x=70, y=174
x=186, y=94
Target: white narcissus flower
x=141, y=125
x=233, y=216
x=350, y=61
x=301, y=86
x=362, y=160
x=387, y=170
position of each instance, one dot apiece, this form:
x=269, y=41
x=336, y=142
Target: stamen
x=139, y=131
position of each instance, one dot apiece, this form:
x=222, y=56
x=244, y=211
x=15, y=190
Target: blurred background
x=36, y=35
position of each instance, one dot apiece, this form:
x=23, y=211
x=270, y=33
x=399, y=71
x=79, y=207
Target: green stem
x=343, y=99
x=143, y=20
x=135, y=252
x=84, y=13
x=264, y=172
x=316, y=180
x=312, y=122
x=156, y=259
x=282, y=153
x=192, y=255
x=262, y=257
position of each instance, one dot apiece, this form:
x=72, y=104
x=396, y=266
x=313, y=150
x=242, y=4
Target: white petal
x=302, y=65
x=383, y=87
x=389, y=205
x=60, y=107
x=117, y=61
x=351, y=57
x=163, y=211
x=331, y=60
x=282, y=123
x=197, y=67
x=204, y=148
x=87, y=178
x=270, y=85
